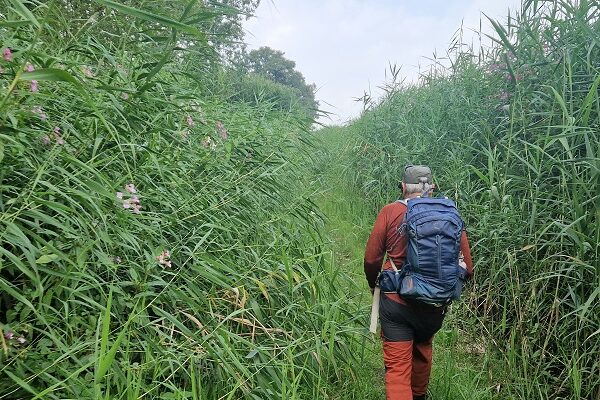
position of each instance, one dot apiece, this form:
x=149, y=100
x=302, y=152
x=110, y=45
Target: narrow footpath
x=460, y=368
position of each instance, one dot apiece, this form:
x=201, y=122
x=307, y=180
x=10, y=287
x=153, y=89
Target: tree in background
x=273, y=65
x=226, y=31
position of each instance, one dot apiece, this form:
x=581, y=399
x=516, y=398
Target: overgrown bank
x=150, y=244
x=512, y=135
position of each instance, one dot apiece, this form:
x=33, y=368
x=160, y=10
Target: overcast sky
x=345, y=46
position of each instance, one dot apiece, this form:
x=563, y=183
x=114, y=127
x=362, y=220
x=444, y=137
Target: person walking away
x=407, y=325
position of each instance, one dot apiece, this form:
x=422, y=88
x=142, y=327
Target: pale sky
x=345, y=46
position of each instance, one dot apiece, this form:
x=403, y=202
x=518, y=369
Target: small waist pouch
x=389, y=280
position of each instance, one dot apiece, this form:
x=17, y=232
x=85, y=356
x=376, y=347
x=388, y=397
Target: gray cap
x=417, y=174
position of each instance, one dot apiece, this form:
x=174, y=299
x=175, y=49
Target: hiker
x=408, y=323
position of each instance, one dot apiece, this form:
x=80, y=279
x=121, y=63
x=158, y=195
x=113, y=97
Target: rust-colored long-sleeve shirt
x=386, y=239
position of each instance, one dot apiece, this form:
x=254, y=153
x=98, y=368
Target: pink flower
x=8, y=335
x=221, y=130
x=130, y=188
x=133, y=202
x=21, y=340
x=546, y=48
x=39, y=112
x=87, y=71
x=34, y=86
x=494, y=67
x=208, y=143
x=46, y=140
x=189, y=121
x=57, y=137
x=29, y=67
x=7, y=54
x=164, y=259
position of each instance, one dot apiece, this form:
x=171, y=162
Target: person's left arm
x=466, y=252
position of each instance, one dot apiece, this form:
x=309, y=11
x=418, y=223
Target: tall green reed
x=511, y=133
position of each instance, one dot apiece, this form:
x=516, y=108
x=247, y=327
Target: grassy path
x=460, y=367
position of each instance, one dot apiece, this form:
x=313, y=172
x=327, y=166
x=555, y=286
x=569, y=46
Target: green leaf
x=148, y=16
x=46, y=258
x=586, y=107
x=501, y=31
x=23, y=11
x=50, y=74
x=14, y=24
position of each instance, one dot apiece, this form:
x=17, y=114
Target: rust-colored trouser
x=407, y=331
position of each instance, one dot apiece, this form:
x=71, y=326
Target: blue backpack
x=431, y=272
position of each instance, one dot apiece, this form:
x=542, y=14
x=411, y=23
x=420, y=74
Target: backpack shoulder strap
x=402, y=226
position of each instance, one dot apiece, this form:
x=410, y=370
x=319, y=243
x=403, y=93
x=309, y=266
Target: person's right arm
x=375, y=250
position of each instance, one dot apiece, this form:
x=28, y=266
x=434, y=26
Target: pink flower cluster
x=37, y=110
x=47, y=140
x=10, y=335
x=495, y=67
x=189, y=121
x=164, y=258
x=7, y=55
x=509, y=78
x=208, y=143
x=221, y=130
x=133, y=202
x=87, y=71
x=34, y=84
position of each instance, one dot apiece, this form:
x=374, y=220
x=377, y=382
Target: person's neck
x=412, y=196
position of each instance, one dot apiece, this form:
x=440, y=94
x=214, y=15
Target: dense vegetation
x=151, y=244
x=159, y=229
x=511, y=132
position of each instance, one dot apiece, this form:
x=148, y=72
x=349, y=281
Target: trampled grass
x=463, y=368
